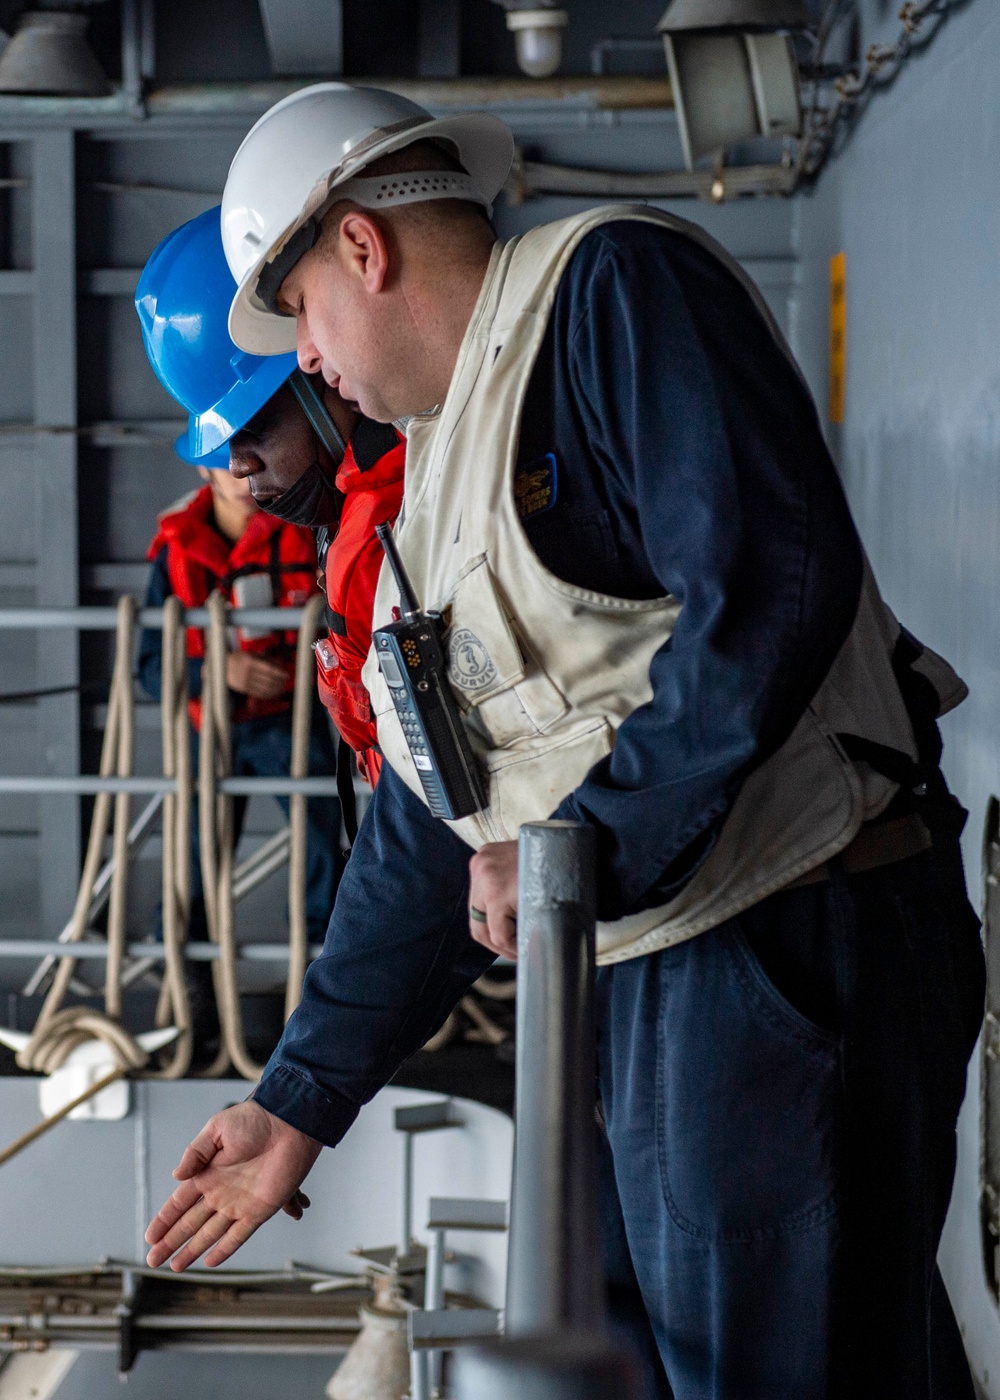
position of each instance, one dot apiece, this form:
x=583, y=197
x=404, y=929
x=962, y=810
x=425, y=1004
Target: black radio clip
x=412, y=660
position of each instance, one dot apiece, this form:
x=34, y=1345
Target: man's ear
x=364, y=248
x=205, y=474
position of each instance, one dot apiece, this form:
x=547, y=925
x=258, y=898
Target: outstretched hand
x=243, y=1167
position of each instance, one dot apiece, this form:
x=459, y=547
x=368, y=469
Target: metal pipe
x=262, y=863
x=434, y=1299
x=406, y=1204
x=716, y=186
x=86, y=783
x=420, y=1382
x=617, y=93
x=131, y=24
x=556, y=1347
x=553, y=1278
x=106, y=619
x=98, y=952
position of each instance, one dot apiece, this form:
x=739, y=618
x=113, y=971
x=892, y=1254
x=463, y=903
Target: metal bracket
x=442, y=1328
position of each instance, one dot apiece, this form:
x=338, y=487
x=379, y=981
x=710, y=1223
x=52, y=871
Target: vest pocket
x=505, y=693
x=528, y=783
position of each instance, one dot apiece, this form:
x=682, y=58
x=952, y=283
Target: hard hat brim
x=218, y=458
x=213, y=428
x=485, y=148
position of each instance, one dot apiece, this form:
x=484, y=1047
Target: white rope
x=174, y=1006
x=59, y=1031
x=298, y=931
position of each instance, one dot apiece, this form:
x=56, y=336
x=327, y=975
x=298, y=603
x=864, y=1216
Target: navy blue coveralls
x=780, y=1093
x=262, y=747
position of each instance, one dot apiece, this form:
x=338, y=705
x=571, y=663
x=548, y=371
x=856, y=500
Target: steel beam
x=53, y=212
x=439, y=38
x=304, y=36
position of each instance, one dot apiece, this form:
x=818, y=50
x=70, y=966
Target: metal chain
x=828, y=128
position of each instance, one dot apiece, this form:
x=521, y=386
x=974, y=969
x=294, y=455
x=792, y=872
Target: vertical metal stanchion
x=406, y=1210
x=555, y=1346
x=552, y=1281
x=434, y=1299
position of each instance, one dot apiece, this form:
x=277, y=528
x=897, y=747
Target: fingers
x=210, y=1233
x=493, y=892
x=498, y=934
x=198, y=1153
x=167, y=1217
x=266, y=680
x=297, y=1206
x=238, y=1233
x=185, y=1229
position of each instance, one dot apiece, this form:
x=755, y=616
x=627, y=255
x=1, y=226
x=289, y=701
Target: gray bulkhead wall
x=914, y=202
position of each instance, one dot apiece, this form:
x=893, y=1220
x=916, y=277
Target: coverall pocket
x=747, y=1125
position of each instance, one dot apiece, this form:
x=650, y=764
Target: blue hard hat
x=183, y=300
x=182, y=446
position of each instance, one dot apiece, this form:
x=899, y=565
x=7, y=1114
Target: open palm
x=243, y=1167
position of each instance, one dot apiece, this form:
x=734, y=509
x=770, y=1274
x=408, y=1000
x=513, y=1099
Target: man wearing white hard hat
x=662, y=623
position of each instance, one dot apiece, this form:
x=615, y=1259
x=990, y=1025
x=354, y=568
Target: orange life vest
x=372, y=495
x=201, y=561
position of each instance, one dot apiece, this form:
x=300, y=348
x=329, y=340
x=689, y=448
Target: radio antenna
x=407, y=597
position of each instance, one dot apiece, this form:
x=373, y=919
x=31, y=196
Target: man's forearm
x=396, y=959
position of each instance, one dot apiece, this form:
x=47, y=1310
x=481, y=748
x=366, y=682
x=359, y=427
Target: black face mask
x=312, y=501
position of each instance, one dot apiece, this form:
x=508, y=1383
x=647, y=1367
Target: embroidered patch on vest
x=470, y=663
x=536, y=486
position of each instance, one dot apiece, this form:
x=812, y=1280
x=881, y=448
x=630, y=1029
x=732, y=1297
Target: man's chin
x=373, y=407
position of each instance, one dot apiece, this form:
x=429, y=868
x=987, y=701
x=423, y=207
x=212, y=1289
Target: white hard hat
x=315, y=141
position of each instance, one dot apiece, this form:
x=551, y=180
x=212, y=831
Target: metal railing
x=555, y=1347
x=85, y=619
x=81, y=619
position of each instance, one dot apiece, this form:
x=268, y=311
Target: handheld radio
x=412, y=660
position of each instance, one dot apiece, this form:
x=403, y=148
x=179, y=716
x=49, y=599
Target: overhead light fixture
x=537, y=26
x=49, y=56
x=740, y=16
x=733, y=71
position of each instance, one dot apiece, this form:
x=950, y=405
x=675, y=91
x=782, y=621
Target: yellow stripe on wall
x=838, y=335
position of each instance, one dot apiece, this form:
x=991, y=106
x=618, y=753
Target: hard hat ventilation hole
x=372, y=192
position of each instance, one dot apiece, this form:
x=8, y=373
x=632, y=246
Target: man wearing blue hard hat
x=218, y=538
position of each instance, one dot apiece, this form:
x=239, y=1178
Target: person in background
x=217, y=539
x=307, y=457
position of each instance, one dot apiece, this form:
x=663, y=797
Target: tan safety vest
x=546, y=672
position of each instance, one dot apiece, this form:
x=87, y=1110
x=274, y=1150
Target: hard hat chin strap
x=312, y=405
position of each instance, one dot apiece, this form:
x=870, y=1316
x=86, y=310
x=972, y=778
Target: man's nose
x=242, y=462
x=310, y=360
